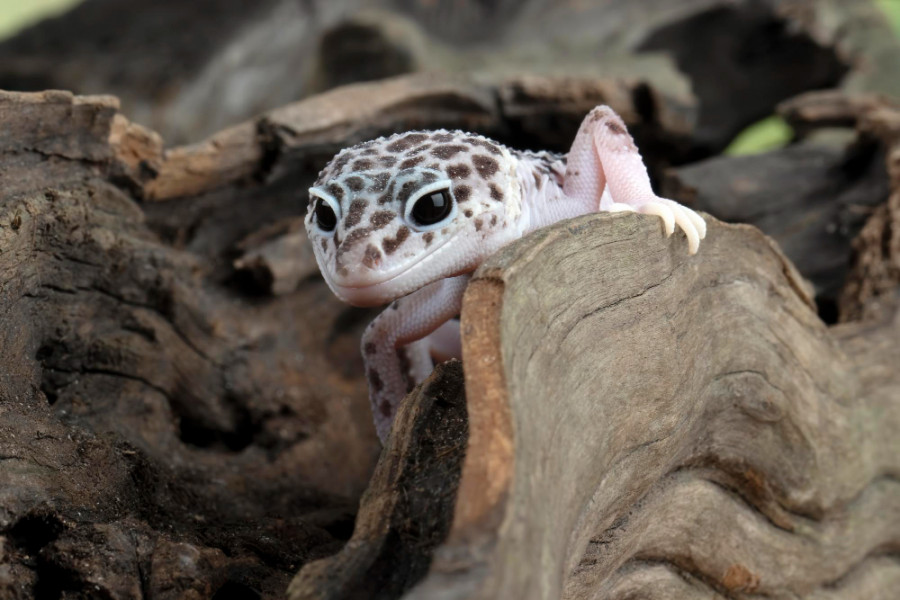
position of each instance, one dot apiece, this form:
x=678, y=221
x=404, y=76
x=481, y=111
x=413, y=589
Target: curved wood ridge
x=648, y=424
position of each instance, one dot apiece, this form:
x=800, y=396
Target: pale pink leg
x=393, y=348
x=444, y=342
x=604, y=166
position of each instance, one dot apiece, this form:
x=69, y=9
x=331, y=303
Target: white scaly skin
x=375, y=251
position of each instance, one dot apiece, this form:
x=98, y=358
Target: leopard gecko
x=406, y=219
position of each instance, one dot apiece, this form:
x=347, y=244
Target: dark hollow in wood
x=406, y=511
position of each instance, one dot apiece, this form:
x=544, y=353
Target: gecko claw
x=655, y=207
x=673, y=214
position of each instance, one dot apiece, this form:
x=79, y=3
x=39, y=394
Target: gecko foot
x=673, y=214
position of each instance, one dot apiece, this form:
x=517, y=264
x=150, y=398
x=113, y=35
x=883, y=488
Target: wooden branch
x=646, y=423
x=308, y=133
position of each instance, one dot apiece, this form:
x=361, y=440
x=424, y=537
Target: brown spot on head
x=390, y=245
x=496, y=193
x=388, y=196
x=362, y=164
x=442, y=137
x=341, y=161
x=353, y=238
x=485, y=165
x=388, y=161
x=374, y=380
x=406, y=190
x=418, y=150
x=468, y=213
x=379, y=182
x=448, y=151
x=381, y=219
x=478, y=224
x=355, y=183
x=493, y=220
x=372, y=256
x=487, y=145
x=370, y=348
x=336, y=191
x=406, y=142
x=411, y=162
x=459, y=171
x=462, y=193
x=428, y=236
x=355, y=213
x=324, y=244
x=615, y=128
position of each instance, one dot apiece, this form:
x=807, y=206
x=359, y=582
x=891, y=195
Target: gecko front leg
x=390, y=370
x=605, y=167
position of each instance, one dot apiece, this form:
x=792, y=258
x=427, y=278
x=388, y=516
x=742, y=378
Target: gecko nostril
x=372, y=257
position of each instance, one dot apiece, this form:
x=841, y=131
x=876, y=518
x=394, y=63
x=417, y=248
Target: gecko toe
x=698, y=222
x=655, y=207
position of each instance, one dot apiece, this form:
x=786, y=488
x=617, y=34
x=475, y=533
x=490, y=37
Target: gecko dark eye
x=325, y=217
x=432, y=208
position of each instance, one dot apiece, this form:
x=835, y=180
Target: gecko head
x=391, y=215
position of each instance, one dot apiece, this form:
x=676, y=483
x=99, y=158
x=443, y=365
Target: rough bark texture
x=813, y=198
x=668, y=426
x=159, y=434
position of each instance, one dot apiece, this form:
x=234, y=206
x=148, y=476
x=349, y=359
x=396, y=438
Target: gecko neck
x=544, y=202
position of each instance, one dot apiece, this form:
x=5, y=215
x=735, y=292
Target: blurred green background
x=16, y=14
x=768, y=134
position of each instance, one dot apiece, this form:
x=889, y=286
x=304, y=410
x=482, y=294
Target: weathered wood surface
x=162, y=433
x=299, y=138
x=182, y=412
x=647, y=424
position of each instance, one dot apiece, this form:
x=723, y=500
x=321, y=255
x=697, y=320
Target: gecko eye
x=325, y=211
x=432, y=208
x=325, y=217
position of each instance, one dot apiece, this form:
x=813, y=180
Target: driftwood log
x=182, y=413
x=647, y=424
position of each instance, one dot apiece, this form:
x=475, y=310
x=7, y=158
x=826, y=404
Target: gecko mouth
x=373, y=293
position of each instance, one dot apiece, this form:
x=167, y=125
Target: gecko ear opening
x=431, y=207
